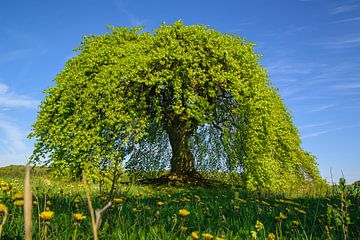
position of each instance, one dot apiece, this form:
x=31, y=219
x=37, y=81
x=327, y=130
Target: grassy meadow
x=60, y=211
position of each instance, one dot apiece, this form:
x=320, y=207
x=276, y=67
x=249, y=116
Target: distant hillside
x=18, y=171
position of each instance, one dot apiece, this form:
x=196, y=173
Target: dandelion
x=18, y=195
x=19, y=203
x=79, y=217
x=271, y=236
x=46, y=215
x=295, y=223
x=119, y=200
x=219, y=238
x=184, y=212
x=259, y=225
x=160, y=203
x=3, y=208
x=207, y=236
x=195, y=235
x=253, y=234
x=281, y=217
x=183, y=229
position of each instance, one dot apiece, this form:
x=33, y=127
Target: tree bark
x=182, y=161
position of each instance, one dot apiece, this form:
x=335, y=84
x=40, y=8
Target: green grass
x=225, y=212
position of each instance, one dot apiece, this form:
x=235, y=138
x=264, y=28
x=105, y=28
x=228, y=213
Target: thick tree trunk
x=182, y=161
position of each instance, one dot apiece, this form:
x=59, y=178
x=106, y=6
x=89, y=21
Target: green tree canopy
x=185, y=97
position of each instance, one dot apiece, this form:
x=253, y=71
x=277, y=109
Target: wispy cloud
x=318, y=133
x=15, y=54
x=313, y=125
x=344, y=43
x=13, y=100
x=315, y=134
x=323, y=107
x=133, y=19
x=13, y=142
x=345, y=8
x=346, y=86
x=346, y=20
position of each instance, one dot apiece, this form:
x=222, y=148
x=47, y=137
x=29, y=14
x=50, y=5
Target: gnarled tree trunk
x=182, y=161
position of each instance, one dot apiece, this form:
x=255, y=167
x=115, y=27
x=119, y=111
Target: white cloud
x=13, y=142
x=346, y=86
x=354, y=19
x=13, y=100
x=15, y=54
x=324, y=107
x=344, y=43
x=344, y=8
x=315, y=134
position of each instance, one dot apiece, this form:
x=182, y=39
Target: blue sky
x=311, y=49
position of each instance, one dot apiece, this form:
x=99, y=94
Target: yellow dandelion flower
x=18, y=195
x=184, y=212
x=183, y=229
x=3, y=208
x=119, y=200
x=219, y=238
x=160, y=203
x=19, y=203
x=282, y=216
x=207, y=236
x=79, y=217
x=253, y=234
x=46, y=215
x=295, y=223
x=259, y=225
x=271, y=236
x=195, y=235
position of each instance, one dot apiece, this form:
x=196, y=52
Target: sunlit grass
x=60, y=211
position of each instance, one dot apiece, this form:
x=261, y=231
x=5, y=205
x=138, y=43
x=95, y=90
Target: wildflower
x=19, y=203
x=46, y=215
x=18, y=195
x=259, y=225
x=271, y=236
x=119, y=200
x=160, y=203
x=219, y=238
x=253, y=234
x=207, y=236
x=295, y=223
x=183, y=229
x=281, y=217
x=3, y=208
x=184, y=212
x=195, y=235
x=79, y=217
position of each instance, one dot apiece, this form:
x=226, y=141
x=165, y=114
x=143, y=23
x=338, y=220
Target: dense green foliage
x=185, y=97
x=153, y=213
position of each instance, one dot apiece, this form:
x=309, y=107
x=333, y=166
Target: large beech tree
x=187, y=97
